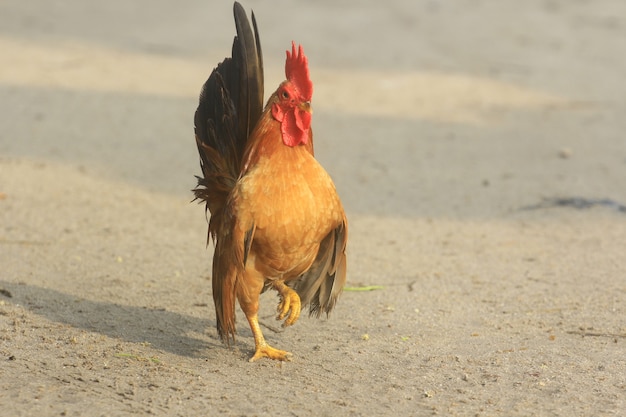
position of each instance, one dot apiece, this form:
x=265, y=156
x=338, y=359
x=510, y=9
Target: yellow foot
x=266, y=351
x=289, y=304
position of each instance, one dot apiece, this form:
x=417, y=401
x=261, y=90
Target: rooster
x=275, y=217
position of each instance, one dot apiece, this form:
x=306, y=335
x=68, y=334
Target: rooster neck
x=266, y=141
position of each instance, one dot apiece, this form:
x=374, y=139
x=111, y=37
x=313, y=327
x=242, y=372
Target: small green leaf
x=364, y=288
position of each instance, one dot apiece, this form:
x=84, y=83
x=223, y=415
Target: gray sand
x=451, y=130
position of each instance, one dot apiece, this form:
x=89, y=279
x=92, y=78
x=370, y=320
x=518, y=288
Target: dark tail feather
x=224, y=295
x=231, y=102
x=247, y=47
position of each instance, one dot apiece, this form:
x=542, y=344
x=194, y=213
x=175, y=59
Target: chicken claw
x=289, y=303
x=266, y=351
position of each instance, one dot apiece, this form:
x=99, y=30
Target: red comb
x=297, y=71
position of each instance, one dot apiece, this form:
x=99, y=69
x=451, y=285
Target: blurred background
x=427, y=108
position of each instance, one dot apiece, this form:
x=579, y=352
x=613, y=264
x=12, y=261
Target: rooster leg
x=289, y=300
x=249, y=302
x=263, y=350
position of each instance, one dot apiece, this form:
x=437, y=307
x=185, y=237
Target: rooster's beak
x=306, y=106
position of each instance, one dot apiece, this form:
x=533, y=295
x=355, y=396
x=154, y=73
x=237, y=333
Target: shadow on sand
x=162, y=329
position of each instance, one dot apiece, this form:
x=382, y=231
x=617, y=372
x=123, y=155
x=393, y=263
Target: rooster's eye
x=285, y=94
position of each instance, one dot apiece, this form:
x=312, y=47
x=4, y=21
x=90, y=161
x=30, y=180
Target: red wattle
x=295, y=127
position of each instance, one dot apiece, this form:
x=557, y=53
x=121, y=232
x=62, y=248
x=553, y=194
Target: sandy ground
x=450, y=128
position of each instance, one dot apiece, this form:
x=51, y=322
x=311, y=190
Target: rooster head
x=292, y=105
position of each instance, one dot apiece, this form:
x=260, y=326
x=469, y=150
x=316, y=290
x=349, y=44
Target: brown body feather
x=275, y=214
